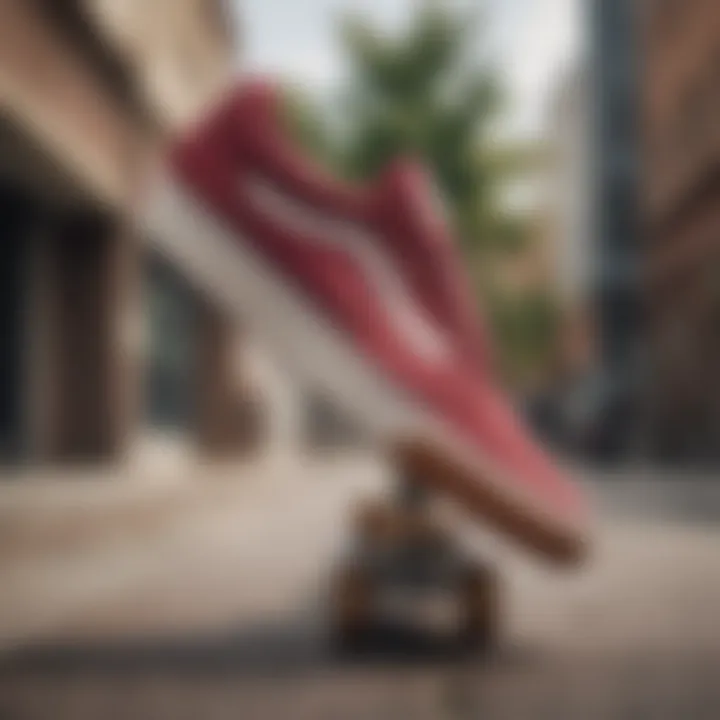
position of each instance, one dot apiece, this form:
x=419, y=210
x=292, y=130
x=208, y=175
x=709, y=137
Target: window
x=171, y=349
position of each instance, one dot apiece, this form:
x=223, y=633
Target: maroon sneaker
x=410, y=207
x=360, y=291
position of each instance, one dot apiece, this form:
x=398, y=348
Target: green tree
x=417, y=93
x=526, y=325
x=425, y=92
x=420, y=93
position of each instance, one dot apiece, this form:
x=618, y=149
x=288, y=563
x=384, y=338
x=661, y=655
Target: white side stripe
x=409, y=319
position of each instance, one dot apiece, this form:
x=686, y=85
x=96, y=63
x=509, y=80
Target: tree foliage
x=420, y=94
x=425, y=92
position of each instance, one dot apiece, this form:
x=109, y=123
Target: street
x=206, y=599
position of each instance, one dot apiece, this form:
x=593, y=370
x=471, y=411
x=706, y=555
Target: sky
x=531, y=41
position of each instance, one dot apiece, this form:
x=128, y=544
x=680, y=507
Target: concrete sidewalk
x=211, y=587
x=73, y=552
x=119, y=559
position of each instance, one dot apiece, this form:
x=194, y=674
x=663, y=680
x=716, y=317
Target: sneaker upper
x=412, y=213
x=400, y=208
x=381, y=264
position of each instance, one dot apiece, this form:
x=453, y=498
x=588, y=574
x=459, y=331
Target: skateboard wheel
x=352, y=606
x=480, y=605
x=374, y=522
x=382, y=524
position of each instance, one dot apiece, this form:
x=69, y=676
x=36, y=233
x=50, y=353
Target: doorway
x=15, y=222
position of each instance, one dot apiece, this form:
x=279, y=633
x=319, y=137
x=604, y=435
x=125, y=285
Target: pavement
x=205, y=598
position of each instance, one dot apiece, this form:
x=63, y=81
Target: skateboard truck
x=401, y=552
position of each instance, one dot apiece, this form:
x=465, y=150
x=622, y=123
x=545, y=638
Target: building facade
x=681, y=199
x=569, y=226
x=569, y=187
x=108, y=353
x=615, y=163
x=572, y=220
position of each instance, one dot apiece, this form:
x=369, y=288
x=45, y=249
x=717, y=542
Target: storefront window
x=15, y=218
x=171, y=349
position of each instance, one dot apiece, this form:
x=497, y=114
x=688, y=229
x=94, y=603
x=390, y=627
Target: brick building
x=681, y=181
x=107, y=353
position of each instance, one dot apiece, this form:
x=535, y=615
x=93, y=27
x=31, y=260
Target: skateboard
x=401, y=557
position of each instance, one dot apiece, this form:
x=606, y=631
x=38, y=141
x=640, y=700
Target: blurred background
x=576, y=146
x=546, y=124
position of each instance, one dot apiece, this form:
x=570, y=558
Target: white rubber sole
x=240, y=281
